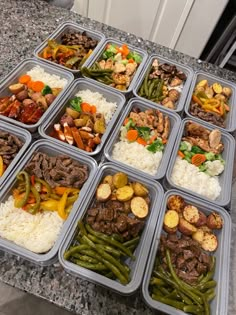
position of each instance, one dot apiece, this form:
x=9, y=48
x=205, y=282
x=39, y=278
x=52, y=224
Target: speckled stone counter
x=24, y=24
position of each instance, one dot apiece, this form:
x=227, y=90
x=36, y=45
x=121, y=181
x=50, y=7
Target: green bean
x=82, y=227
x=132, y=248
x=86, y=258
x=185, y=298
x=75, y=249
x=22, y=202
x=146, y=80
x=193, y=309
x=150, y=90
x=110, y=241
x=170, y=302
x=54, y=196
x=134, y=241
x=117, y=237
x=107, y=257
x=207, y=285
x=104, y=245
x=85, y=71
x=159, y=89
x=174, y=295
x=95, y=267
x=210, y=273
x=210, y=296
x=109, y=274
x=157, y=281
x=33, y=209
x=164, y=291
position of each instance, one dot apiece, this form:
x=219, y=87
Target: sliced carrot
x=181, y=154
x=93, y=109
x=37, y=86
x=198, y=159
x=29, y=84
x=24, y=79
x=86, y=107
x=153, y=138
x=132, y=135
x=126, y=121
x=131, y=60
x=124, y=50
x=77, y=138
x=141, y=141
x=164, y=141
x=197, y=100
x=31, y=200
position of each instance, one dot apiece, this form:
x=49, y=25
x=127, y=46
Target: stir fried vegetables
x=116, y=67
x=72, y=51
x=33, y=195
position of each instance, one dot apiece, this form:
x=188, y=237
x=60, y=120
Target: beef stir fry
x=72, y=51
x=9, y=147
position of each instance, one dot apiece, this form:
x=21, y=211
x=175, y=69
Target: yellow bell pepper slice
x=49, y=205
x=62, y=204
x=1, y=166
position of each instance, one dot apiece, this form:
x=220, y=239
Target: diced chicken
x=166, y=132
x=102, y=64
x=119, y=67
x=120, y=78
x=130, y=68
x=214, y=138
x=109, y=64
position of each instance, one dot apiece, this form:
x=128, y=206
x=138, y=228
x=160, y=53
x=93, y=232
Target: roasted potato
x=140, y=189
x=202, y=219
x=120, y=180
x=169, y=230
x=214, y=221
x=73, y=113
x=191, y=214
x=176, y=202
x=185, y=227
x=209, y=242
x=198, y=236
x=209, y=92
x=202, y=83
x=16, y=88
x=205, y=229
x=124, y=193
x=103, y=192
x=100, y=126
x=227, y=91
x=221, y=97
x=108, y=180
x=217, y=88
x=171, y=219
x=139, y=207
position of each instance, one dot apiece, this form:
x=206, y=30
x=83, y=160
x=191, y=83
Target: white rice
x=54, y=81
x=188, y=176
x=103, y=106
x=137, y=156
x=36, y=233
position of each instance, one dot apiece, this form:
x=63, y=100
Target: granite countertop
x=25, y=24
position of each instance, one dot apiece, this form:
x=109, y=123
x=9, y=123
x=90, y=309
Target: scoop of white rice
x=137, y=156
x=37, y=73
x=36, y=233
x=188, y=176
x=103, y=106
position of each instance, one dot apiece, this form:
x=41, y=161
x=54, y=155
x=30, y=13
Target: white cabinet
x=184, y=25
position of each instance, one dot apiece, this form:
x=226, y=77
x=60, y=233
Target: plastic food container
x=143, y=53
x=187, y=70
x=141, y=253
x=53, y=150
x=225, y=178
x=21, y=69
x=220, y=303
x=230, y=122
x=25, y=137
x=70, y=27
x=143, y=105
x=78, y=85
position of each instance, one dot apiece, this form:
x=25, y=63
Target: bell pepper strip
x=72, y=61
x=226, y=107
x=77, y=138
x=33, y=209
x=49, y=205
x=32, y=180
x=59, y=190
x=46, y=185
x=212, y=102
x=197, y=100
x=62, y=205
x=71, y=200
x=19, y=203
x=1, y=166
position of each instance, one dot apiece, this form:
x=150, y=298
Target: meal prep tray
x=225, y=178
x=220, y=303
x=21, y=69
x=143, y=105
x=230, y=123
x=142, y=52
x=25, y=137
x=48, y=147
x=187, y=70
x=141, y=253
x=83, y=84
x=63, y=29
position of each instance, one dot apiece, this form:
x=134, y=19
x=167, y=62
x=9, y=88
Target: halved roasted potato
x=176, y=202
x=185, y=227
x=191, y=214
x=120, y=180
x=214, y=221
x=124, y=193
x=209, y=242
x=139, y=207
x=103, y=192
x=202, y=219
x=140, y=189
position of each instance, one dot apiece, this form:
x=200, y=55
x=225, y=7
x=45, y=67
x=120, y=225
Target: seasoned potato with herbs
x=191, y=214
x=214, y=221
x=108, y=180
x=227, y=91
x=171, y=219
x=198, y=236
x=217, y=88
x=209, y=242
x=139, y=207
x=140, y=189
x=124, y=193
x=103, y=192
x=202, y=219
x=205, y=229
x=202, y=83
x=185, y=227
x=176, y=203
x=120, y=180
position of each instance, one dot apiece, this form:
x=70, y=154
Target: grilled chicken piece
x=102, y=64
x=195, y=130
x=120, y=78
x=175, y=82
x=4, y=103
x=119, y=67
x=166, y=128
x=130, y=68
x=109, y=64
x=214, y=138
x=203, y=144
x=160, y=126
x=15, y=109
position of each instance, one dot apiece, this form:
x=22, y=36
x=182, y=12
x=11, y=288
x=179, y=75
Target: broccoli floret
x=195, y=149
x=202, y=167
x=219, y=157
x=210, y=156
x=185, y=146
